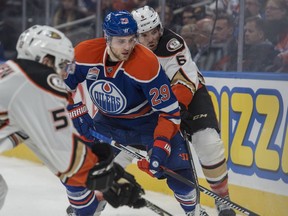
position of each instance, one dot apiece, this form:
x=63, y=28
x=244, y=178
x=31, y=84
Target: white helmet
x=147, y=18
x=39, y=41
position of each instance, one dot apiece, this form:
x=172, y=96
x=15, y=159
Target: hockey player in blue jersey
x=136, y=105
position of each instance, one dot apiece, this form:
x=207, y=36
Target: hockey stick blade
x=174, y=175
x=157, y=209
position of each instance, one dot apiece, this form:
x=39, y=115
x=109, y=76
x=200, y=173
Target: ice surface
x=35, y=191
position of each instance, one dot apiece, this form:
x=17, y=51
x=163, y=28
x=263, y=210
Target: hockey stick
x=195, y=177
x=171, y=173
x=156, y=208
x=148, y=204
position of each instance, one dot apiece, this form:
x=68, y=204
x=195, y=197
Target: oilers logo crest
x=107, y=97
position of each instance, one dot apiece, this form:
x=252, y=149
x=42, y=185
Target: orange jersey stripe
x=83, y=159
x=166, y=128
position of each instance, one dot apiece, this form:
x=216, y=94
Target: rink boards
x=252, y=111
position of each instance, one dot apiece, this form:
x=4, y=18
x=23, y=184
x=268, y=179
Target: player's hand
x=143, y=164
x=101, y=176
x=186, y=119
x=125, y=190
x=82, y=121
x=160, y=152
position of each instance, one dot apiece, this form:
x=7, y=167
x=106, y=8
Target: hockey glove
x=186, y=119
x=82, y=121
x=125, y=190
x=101, y=176
x=160, y=152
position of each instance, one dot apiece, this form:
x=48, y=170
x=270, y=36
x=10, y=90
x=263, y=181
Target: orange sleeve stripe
x=79, y=179
x=183, y=94
x=82, y=160
x=165, y=128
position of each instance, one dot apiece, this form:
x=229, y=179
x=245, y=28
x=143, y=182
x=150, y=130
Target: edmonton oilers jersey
x=131, y=89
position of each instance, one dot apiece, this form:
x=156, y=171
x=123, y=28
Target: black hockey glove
x=186, y=119
x=125, y=190
x=102, y=175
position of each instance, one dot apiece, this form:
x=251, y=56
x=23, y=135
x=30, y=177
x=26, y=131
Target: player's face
x=121, y=47
x=48, y=61
x=151, y=38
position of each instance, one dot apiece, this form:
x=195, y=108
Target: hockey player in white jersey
x=33, y=104
x=198, y=118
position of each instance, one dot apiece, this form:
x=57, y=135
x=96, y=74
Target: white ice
x=35, y=191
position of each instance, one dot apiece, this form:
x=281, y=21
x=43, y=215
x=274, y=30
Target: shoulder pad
x=169, y=44
x=43, y=77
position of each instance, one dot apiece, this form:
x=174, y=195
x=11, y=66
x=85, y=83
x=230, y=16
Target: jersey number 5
x=60, y=119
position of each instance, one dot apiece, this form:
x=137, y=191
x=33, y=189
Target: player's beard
x=117, y=57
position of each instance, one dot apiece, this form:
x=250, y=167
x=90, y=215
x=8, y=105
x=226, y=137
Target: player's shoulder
x=89, y=50
x=144, y=54
x=143, y=64
x=43, y=77
x=169, y=44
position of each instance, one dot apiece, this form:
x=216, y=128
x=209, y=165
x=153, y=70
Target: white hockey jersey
x=184, y=75
x=33, y=108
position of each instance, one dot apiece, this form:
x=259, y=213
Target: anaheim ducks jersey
x=33, y=103
x=132, y=89
x=174, y=56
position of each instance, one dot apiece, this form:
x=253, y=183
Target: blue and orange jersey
x=132, y=89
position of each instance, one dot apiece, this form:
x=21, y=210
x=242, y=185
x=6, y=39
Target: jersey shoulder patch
x=169, y=44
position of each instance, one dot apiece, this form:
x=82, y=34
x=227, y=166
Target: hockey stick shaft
x=157, y=209
x=171, y=173
x=194, y=175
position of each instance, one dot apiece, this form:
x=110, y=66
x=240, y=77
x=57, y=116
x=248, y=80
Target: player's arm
x=164, y=102
x=12, y=140
x=78, y=112
x=75, y=75
x=184, y=76
x=10, y=137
